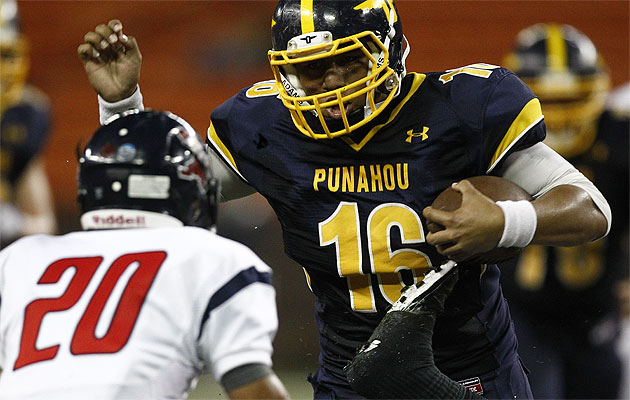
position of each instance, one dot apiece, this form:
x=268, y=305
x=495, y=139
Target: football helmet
x=14, y=58
x=564, y=69
x=151, y=161
x=311, y=31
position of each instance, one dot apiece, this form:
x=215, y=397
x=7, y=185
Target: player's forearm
x=567, y=216
x=570, y=210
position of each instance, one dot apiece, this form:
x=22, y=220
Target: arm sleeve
x=106, y=110
x=232, y=185
x=241, y=376
x=538, y=169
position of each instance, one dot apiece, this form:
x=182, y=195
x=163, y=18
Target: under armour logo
x=411, y=134
x=308, y=39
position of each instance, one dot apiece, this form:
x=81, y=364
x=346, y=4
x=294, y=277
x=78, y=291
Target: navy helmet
x=150, y=161
x=565, y=70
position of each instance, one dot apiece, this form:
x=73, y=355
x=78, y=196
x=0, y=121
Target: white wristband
x=520, y=223
x=107, y=110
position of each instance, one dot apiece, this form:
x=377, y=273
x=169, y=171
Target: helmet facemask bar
x=283, y=66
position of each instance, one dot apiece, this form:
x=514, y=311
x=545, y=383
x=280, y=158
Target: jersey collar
x=415, y=85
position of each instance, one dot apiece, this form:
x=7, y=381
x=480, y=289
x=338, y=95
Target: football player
x=563, y=298
x=350, y=150
x=26, y=204
x=148, y=296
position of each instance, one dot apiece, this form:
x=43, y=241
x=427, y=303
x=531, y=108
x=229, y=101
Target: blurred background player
x=188, y=300
x=563, y=298
x=26, y=205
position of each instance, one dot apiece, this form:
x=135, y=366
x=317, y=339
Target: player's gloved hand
x=112, y=61
x=475, y=227
x=11, y=223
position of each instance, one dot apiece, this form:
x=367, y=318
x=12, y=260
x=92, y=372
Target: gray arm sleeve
x=243, y=375
x=232, y=186
x=539, y=169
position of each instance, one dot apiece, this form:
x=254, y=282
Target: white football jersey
x=129, y=313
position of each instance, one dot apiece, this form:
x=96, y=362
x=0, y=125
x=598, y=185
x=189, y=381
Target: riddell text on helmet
x=119, y=220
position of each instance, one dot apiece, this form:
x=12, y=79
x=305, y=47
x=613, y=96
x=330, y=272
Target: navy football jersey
x=351, y=207
x=547, y=281
x=25, y=127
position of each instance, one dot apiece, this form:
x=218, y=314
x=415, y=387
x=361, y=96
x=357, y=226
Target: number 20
x=84, y=340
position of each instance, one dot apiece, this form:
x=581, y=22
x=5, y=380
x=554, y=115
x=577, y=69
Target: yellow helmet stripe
x=384, y=4
x=556, y=48
x=308, y=25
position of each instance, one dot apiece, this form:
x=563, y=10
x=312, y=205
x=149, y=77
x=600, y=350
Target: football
x=496, y=188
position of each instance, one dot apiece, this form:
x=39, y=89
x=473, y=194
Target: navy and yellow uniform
x=563, y=298
x=351, y=207
x=25, y=127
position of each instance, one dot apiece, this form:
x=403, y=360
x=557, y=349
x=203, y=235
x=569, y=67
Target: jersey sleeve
x=219, y=135
x=240, y=320
x=512, y=119
x=237, y=132
x=39, y=117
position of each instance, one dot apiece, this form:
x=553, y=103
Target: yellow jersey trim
x=529, y=116
x=222, y=149
x=417, y=81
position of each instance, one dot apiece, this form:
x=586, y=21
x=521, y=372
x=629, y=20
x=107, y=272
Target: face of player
x=323, y=75
x=13, y=70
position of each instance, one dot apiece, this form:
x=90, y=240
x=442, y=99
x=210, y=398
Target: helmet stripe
x=556, y=48
x=384, y=4
x=308, y=25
